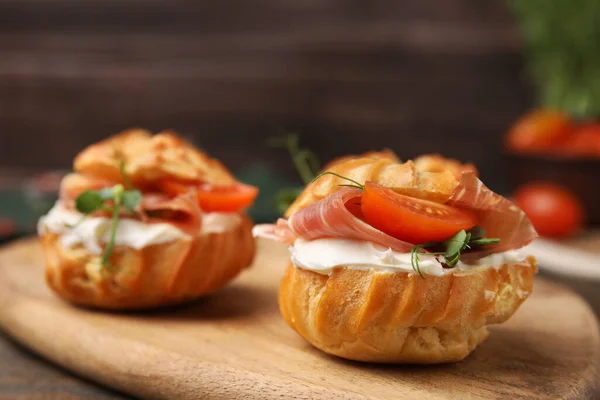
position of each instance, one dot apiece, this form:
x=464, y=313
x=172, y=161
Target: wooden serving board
x=235, y=345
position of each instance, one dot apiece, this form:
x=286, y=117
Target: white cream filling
x=323, y=255
x=94, y=232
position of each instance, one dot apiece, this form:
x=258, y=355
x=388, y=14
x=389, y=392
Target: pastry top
x=146, y=158
x=385, y=154
x=429, y=177
x=437, y=163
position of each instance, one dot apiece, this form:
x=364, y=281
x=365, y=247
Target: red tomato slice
x=215, y=198
x=353, y=205
x=412, y=220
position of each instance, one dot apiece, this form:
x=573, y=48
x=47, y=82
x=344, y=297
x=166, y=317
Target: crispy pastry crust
x=429, y=177
x=155, y=276
x=402, y=178
x=377, y=155
x=149, y=158
x=375, y=316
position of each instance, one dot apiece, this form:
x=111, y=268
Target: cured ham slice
x=182, y=211
x=331, y=217
x=497, y=215
x=279, y=232
x=73, y=184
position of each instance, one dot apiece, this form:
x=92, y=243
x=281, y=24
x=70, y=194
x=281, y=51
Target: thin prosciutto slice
x=497, y=215
x=331, y=218
x=181, y=211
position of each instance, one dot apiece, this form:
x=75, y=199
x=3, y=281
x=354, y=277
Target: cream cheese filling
x=323, y=255
x=94, y=232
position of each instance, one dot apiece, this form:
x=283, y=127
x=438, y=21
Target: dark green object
x=285, y=197
x=456, y=244
x=267, y=207
x=562, y=39
x=483, y=242
x=89, y=201
x=453, y=247
x=131, y=199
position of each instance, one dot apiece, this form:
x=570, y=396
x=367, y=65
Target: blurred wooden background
x=417, y=76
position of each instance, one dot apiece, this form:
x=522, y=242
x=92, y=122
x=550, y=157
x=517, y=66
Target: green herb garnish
x=353, y=183
x=306, y=162
x=89, y=201
x=115, y=200
x=452, y=247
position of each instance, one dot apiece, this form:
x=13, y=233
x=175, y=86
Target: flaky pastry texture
x=155, y=276
x=376, y=316
x=429, y=177
x=148, y=158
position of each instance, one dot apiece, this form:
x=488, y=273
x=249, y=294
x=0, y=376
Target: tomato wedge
x=412, y=220
x=215, y=198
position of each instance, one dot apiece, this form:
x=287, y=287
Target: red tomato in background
x=585, y=141
x=539, y=130
x=554, y=210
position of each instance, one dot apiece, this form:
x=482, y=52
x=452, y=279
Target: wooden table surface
x=24, y=375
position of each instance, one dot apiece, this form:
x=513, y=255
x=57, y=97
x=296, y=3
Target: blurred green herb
x=285, y=197
x=306, y=162
x=562, y=40
x=115, y=200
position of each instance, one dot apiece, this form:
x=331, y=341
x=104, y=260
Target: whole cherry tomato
x=540, y=130
x=585, y=141
x=554, y=210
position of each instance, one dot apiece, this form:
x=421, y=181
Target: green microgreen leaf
x=467, y=241
x=414, y=260
x=453, y=260
x=477, y=232
x=118, y=192
x=453, y=247
x=106, y=193
x=88, y=202
x=110, y=200
x=484, y=242
x=455, y=244
x=414, y=256
x=131, y=199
